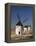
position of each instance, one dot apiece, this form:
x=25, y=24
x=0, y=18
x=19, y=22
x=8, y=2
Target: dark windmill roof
x=26, y=26
x=19, y=23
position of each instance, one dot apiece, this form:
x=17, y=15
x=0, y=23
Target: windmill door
x=18, y=30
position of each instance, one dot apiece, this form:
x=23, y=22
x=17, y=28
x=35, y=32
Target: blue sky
x=23, y=12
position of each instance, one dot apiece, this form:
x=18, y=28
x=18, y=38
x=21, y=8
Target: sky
x=23, y=12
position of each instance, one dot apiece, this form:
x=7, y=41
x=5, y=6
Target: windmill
x=19, y=26
x=26, y=27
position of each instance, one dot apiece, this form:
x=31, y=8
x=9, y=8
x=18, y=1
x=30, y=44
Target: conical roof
x=19, y=23
x=26, y=26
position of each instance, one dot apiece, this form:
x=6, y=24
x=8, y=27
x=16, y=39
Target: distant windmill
x=26, y=27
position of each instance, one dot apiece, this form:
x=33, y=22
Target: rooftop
x=19, y=23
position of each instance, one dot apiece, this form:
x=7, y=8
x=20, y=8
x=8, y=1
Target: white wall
x=25, y=29
x=29, y=28
x=18, y=29
x=2, y=24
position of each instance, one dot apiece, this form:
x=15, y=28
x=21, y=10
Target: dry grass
x=25, y=35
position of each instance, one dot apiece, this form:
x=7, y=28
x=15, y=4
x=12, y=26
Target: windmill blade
x=25, y=20
x=18, y=17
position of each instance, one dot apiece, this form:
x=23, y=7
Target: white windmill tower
x=25, y=28
x=29, y=27
x=19, y=27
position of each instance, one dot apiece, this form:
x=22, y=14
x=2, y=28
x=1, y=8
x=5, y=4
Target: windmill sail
x=25, y=20
x=18, y=17
x=19, y=20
